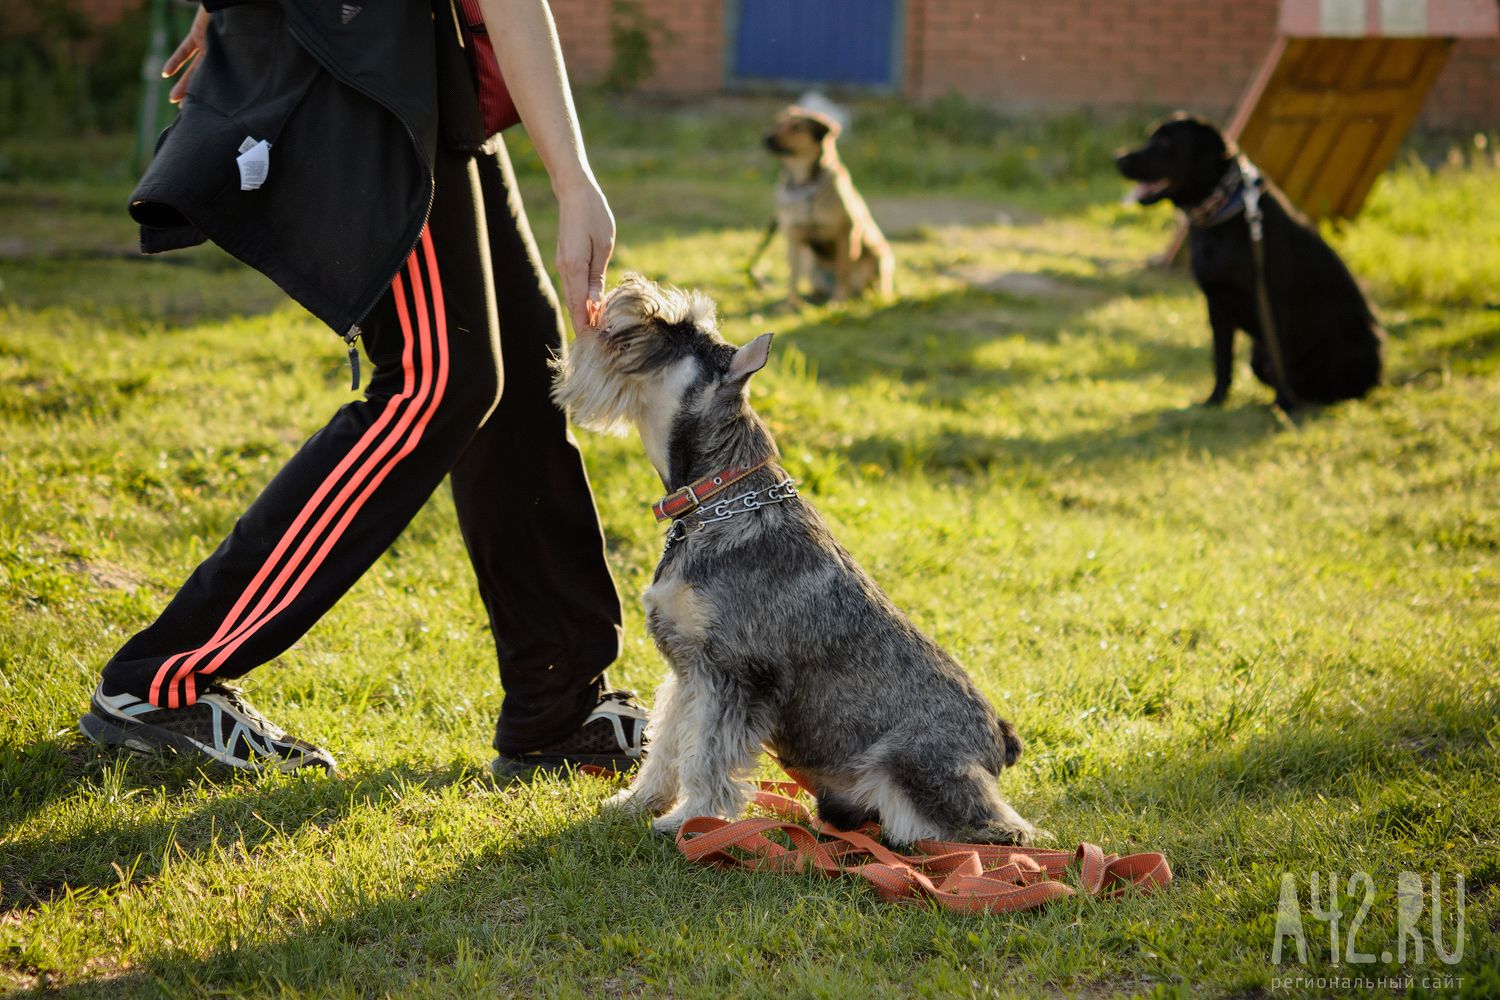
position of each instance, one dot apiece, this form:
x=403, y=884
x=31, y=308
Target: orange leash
x=964, y=878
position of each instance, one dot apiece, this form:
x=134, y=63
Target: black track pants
x=459, y=344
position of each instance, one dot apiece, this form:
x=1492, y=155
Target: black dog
x=1330, y=346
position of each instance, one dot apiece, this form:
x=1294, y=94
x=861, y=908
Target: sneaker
x=221, y=725
x=613, y=738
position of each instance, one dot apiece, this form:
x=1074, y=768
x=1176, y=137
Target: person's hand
x=186, y=55
x=585, y=241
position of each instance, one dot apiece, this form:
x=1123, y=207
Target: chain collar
x=686, y=500
x=725, y=510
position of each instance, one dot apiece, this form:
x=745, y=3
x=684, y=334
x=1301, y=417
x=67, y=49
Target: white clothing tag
x=254, y=163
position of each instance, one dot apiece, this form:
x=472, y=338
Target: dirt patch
x=17, y=249
x=111, y=576
x=1017, y=284
x=103, y=573
x=906, y=218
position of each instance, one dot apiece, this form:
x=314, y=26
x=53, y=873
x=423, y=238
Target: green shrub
x=633, y=35
x=60, y=74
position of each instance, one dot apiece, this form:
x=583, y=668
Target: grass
x=1259, y=650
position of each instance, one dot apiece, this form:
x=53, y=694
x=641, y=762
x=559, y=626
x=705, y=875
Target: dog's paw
x=668, y=825
x=1216, y=398
x=626, y=802
x=1006, y=827
x=1012, y=834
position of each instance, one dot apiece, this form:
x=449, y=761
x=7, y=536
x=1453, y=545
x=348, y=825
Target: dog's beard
x=595, y=396
x=608, y=379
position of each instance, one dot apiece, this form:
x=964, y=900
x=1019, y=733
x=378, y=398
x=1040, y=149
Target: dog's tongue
x=1145, y=190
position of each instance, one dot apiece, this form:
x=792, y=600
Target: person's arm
x=526, y=46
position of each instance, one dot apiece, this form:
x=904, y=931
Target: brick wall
x=1090, y=52
x=692, y=63
x=1045, y=53
x=1027, y=53
x=1191, y=53
x=1468, y=92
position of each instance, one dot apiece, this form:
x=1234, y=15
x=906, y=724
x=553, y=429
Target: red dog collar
x=691, y=496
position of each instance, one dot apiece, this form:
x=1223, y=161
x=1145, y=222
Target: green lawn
x=1256, y=648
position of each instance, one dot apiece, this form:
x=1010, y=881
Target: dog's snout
x=1128, y=163
x=773, y=143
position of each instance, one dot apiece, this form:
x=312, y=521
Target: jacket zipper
x=353, y=333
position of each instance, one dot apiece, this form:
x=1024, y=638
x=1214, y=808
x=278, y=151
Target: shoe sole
x=105, y=734
x=142, y=738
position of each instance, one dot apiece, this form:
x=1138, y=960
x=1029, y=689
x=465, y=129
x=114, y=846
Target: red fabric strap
x=690, y=497
x=965, y=878
x=495, y=104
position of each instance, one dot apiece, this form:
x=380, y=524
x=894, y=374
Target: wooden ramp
x=1339, y=90
x=1333, y=113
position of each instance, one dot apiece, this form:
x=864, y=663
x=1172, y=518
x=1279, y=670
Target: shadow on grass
x=1140, y=439
x=616, y=908
x=201, y=285
x=586, y=896
x=36, y=774
x=592, y=908
x=1435, y=342
x=941, y=350
x=241, y=813
x=1349, y=754
x=940, y=338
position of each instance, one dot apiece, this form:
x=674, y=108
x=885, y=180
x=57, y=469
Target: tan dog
x=830, y=234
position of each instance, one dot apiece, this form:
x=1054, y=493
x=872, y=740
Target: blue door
x=850, y=42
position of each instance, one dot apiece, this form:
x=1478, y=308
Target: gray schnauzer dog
x=775, y=635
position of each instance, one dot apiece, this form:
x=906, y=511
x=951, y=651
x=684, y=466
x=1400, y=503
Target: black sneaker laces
x=236, y=699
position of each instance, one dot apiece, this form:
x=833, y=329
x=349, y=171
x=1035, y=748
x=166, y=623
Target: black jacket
x=353, y=99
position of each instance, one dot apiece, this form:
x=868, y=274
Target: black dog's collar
x=1228, y=198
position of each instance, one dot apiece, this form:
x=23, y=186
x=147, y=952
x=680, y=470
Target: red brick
x=1198, y=53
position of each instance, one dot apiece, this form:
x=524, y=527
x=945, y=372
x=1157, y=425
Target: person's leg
x=340, y=501
x=527, y=512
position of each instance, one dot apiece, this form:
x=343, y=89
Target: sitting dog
x=1329, y=344
x=775, y=636
x=831, y=237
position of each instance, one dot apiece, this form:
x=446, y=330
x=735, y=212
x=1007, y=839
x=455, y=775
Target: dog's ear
x=1211, y=143
x=821, y=126
x=750, y=359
